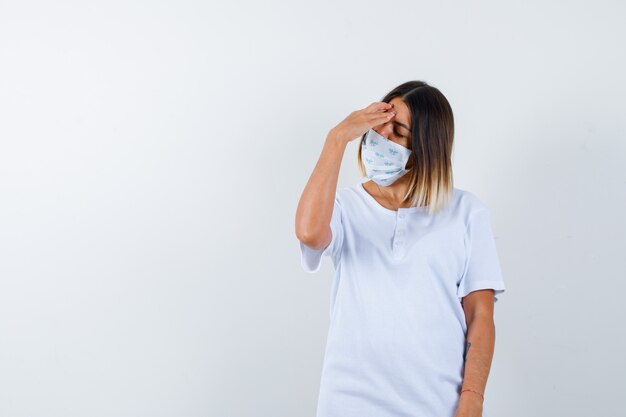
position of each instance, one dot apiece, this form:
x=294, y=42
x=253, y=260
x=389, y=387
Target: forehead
x=403, y=117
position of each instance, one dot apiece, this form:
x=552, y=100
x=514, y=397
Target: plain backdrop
x=153, y=154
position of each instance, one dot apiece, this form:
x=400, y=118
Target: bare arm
x=480, y=344
x=316, y=203
x=315, y=208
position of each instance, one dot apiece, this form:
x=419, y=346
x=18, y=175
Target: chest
x=413, y=239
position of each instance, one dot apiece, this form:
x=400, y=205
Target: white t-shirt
x=396, y=340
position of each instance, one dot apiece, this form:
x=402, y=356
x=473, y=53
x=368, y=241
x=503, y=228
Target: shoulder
x=346, y=194
x=351, y=198
x=469, y=202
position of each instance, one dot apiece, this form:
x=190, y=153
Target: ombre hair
x=432, y=135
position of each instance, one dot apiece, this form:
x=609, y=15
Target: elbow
x=313, y=238
x=311, y=232
x=310, y=240
x=306, y=235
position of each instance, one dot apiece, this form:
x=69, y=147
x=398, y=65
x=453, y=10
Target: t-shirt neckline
x=376, y=204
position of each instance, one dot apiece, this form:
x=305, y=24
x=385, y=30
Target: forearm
x=480, y=343
x=315, y=207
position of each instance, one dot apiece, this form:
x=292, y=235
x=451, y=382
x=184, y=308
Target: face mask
x=384, y=159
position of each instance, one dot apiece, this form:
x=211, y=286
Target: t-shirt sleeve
x=311, y=259
x=482, y=268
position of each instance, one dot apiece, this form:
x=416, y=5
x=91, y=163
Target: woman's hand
x=470, y=405
x=360, y=121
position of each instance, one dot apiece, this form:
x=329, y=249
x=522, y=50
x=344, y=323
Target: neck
x=397, y=190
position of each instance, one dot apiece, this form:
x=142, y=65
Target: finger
x=382, y=117
x=378, y=106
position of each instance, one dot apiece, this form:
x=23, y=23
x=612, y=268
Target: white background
x=153, y=154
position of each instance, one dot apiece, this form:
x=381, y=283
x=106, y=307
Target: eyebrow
x=403, y=125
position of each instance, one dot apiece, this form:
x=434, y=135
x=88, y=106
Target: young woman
x=417, y=274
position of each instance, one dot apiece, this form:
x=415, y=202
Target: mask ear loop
x=410, y=159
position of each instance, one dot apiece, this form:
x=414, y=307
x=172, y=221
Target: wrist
x=336, y=137
x=472, y=395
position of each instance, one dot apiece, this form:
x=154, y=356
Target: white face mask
x=384, y=160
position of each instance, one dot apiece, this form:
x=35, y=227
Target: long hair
x=432, y=135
